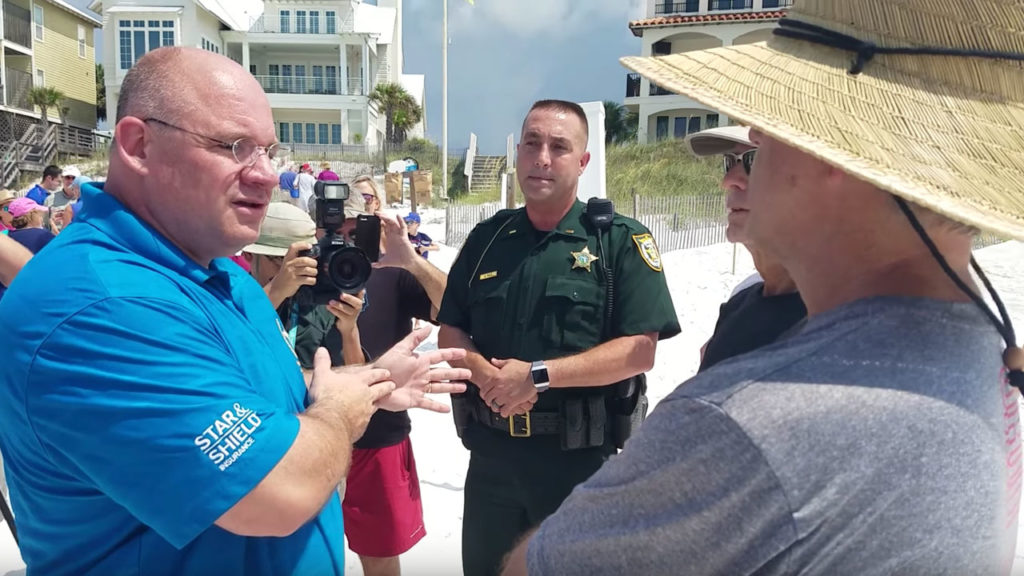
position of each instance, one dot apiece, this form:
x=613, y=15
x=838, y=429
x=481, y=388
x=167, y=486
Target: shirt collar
x=109, y=216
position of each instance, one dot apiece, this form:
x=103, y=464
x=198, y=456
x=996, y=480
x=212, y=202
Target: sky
x=505, y=54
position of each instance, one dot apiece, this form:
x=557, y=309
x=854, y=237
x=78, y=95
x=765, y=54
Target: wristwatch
x=539, y=373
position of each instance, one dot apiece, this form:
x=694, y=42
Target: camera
x=341, y=266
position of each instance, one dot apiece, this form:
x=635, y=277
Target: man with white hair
x=883, y=438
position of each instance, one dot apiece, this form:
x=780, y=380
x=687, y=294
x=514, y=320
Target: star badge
x=583, y=259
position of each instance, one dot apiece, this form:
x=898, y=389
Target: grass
x=662, y=169
x=651, y=170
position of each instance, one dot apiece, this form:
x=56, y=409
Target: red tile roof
x=637, y=26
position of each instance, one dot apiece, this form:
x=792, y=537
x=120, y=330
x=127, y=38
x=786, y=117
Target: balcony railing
x=676, y=7
x=777, y=3
x=311, y=85
x=17, y=24
x=17, y=85
x=659, y=91
x=717, y=5
x=632, y=85
x=318, y=24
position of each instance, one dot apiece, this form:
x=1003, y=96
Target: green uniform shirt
x=530, y=295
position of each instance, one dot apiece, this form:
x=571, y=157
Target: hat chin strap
x=1013, y=356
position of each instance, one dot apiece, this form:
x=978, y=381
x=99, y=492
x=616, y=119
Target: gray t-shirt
x=881, y=439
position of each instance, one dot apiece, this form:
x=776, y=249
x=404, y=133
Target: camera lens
x=349, y=269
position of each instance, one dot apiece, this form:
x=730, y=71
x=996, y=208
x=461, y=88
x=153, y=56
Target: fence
x=676, y=222
x=679, y=222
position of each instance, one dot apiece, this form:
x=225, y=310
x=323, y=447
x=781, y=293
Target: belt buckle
x=523, y=429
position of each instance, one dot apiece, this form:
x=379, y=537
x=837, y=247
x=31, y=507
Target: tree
x=620, y=123
x=408, y=114
x=101, y=94
x=397, y=105
x=45, y=97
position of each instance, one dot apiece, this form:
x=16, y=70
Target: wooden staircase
x=36, y=149
x=487, y=171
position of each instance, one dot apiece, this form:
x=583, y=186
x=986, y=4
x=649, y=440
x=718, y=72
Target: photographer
x=277, y=266
x=382, y=509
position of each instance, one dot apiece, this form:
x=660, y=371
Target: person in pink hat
x=28, y=218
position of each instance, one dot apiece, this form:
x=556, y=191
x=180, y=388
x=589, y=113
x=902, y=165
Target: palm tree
x=397, y=104
x=406, y=116
x=45, y=97
x=620, y=123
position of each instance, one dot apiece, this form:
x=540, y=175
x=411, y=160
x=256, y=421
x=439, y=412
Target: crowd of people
x=855, y=410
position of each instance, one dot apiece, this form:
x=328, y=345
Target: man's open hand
x=412, y=373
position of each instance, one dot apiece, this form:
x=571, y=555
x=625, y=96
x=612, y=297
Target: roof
x=370, y=19
x=235, y=14
x=87, y=16
x=637, y=26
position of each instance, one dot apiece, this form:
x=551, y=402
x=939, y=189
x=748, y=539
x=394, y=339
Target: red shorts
x=382, y=508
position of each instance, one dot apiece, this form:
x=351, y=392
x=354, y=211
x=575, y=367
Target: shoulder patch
x=648, y=250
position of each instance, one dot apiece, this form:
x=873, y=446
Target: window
x=332, y=21
x=211, y=46
x=661, y=131
x=136, y=37
x=168, y=33
x=37, y=18
x=662, y=48
x=731, y=4
x=310, y=133
x=81, y=41
x=314, y=21
x=286, y=21
x=694, y=126
x=679, y=128
x=332, y=79
x=323, y=134
x=252, y=69
x=300, y=79
x=300, y=21
x=335, y=133
x=297, y=131
x=318, y=79
x=274, y=84
x=284, y=132
x=286, y=78
x=40, y=78
x=711, y=121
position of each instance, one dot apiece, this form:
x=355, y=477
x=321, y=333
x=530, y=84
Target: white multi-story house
x=317, y=60
x=674, y=26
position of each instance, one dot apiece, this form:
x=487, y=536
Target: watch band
x=539, y=373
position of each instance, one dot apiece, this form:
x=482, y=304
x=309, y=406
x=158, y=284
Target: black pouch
x=574, y=429
x=628, y=408
x=462, y=411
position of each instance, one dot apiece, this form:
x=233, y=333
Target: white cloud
x=529, y=18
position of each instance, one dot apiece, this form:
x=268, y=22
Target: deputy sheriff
x=560, y=317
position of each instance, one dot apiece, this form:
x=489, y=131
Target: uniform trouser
x=507, y=496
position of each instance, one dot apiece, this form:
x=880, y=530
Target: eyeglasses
x=369, y=197
x=245, y=150
x=747, y=158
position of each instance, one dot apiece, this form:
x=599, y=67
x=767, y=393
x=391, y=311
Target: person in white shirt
x=306, y=181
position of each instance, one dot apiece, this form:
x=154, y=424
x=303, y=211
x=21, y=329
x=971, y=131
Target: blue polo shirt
x=143, y=403
x=38, y=193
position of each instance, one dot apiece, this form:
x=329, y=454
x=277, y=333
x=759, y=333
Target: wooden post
x=636, y=204
x=510, y=190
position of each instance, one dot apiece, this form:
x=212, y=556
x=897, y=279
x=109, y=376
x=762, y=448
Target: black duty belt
x=520, y=426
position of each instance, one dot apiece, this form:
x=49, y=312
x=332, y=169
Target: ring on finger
x=495, y=405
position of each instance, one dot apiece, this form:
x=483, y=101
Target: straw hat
x=714, y=141
x=943, y=131
x=283, y=225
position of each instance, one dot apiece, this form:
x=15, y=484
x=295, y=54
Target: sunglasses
x=369, y=197
x=747, y=158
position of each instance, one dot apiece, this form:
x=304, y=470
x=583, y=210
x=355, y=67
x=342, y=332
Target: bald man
x=154, y=419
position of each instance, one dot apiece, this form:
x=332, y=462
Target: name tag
x=489, y=275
